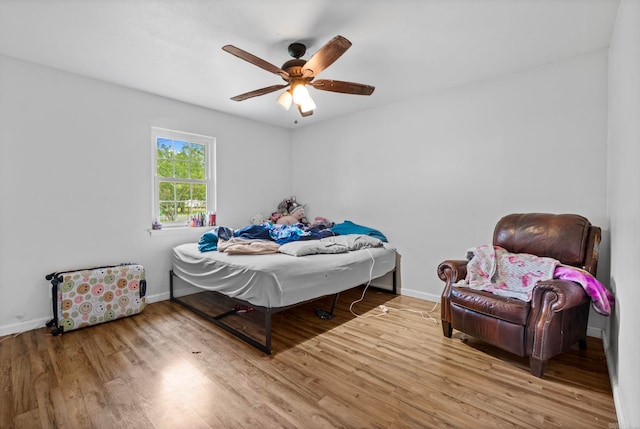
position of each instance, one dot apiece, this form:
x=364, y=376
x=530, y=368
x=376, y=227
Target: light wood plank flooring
x=168, y=368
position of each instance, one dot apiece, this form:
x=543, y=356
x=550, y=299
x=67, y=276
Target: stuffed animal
x=275, y=216
x=295, y=216
x=322, y=223
x=287, y=205
x=257, y=219
x=284, y=206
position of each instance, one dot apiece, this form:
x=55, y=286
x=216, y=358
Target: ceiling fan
x=298, y=73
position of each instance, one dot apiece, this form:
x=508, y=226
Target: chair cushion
x=558, y=236
x=509, y=309
x=506, y=335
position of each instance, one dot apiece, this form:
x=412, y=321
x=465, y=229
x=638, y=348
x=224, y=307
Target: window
x=183, y=176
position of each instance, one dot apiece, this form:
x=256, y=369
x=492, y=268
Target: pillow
x=348, y=227
x=311, y=247
x=355, y=241
x=337, y=244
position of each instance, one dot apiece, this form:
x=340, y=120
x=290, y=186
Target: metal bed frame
x=267, y=312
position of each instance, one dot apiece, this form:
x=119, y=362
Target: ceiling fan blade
x=325, y=56
x=343, y=87
x=244, y=55
x=257, y=92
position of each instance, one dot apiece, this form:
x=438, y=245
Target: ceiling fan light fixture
x=300, y=94
x=308, y=105
x=285, y=99
x=305, y=114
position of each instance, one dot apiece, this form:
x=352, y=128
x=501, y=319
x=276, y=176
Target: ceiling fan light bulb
x=285, y=100
x=300, y=94
x=308, y=105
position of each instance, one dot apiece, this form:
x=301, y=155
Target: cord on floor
x=384, y=310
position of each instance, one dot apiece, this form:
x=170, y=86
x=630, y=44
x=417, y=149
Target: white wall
x=624, y=210
x=436, y=172
x=75, y=180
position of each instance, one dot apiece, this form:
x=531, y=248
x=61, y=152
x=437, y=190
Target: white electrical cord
x=373, y=261
x=8, y=337
x=423, y=313
x=384, y=310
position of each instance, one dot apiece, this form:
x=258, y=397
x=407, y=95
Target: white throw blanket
x=495, y=270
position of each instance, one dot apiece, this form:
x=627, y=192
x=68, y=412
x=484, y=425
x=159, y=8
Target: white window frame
x=210, y=169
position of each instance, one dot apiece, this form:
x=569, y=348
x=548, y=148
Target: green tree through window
x=183, y=172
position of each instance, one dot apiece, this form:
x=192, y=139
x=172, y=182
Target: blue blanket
x=348, y=227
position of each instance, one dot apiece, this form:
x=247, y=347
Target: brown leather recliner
x=557, y=315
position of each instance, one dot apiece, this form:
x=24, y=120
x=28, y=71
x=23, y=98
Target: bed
x=265, y=284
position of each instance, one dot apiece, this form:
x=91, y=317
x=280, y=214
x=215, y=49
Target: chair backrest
x=569, y=238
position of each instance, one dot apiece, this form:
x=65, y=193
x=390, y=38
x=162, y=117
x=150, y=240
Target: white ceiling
x=402, y=47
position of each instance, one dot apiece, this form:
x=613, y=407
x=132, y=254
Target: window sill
x=180, y=230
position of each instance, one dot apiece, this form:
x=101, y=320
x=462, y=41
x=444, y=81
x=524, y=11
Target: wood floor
x=168, y=368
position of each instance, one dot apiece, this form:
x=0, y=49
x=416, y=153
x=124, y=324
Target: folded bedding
x=247, y=246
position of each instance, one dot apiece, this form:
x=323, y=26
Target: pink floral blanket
x=495, y=270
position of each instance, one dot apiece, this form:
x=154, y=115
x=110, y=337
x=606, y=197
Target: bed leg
x=327, y=315
x=395, y=281
x=171, y=284
x=267, y=331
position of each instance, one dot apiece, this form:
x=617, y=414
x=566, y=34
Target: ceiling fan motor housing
x=294, y=68
x=296, y=49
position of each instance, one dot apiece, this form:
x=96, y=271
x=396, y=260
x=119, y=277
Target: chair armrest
x=450, y=272
x=558, y=317
x=564, y=294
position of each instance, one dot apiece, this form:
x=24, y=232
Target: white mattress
x=278, y=280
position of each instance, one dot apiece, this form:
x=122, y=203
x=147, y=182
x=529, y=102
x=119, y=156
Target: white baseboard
x=594, y=332
x=420, y=295
x=16, y=328
x=613, y=378
x=157, y=297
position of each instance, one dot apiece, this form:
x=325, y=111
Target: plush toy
x=285, y=206
x=257, y=219
x=295, y=216
x=275, y=216
x=322, y=223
